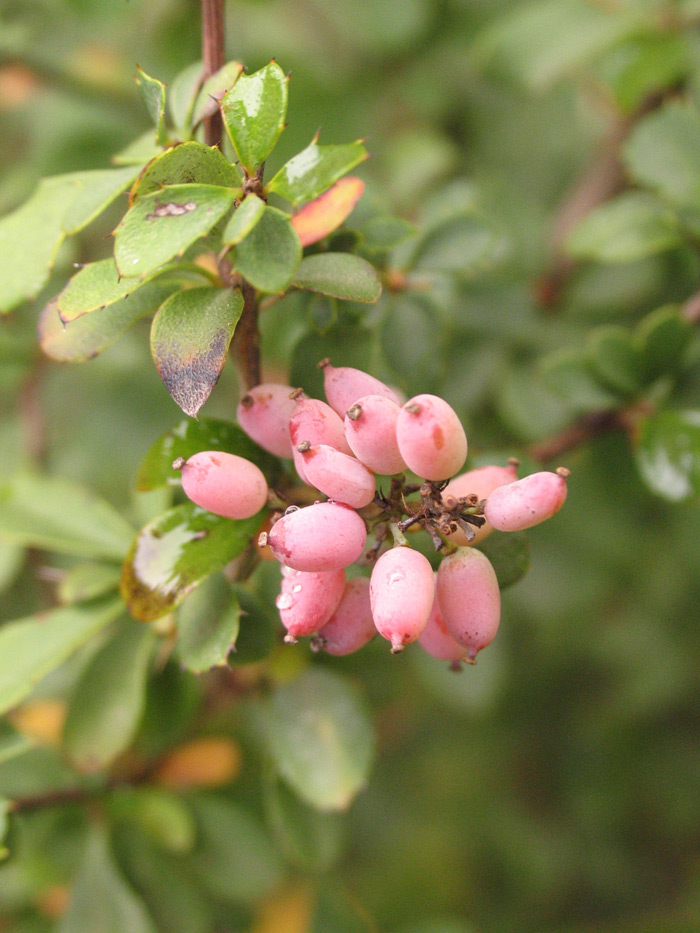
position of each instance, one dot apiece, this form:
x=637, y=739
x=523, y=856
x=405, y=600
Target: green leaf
x=243, y=219
x=190, y=437
x=162, y=815
x=314, y=169
x=31, y=648
x=338, y=911
x=615, y=359
x=413, y=341
x=96, y=191
x=254, y=111
x=186, y=163
x=464, y=245
x=235, y=860
x=164, y=224
x=319, y=736
x=100, y=898
x=86, y=581
x=108, y=700
x=668, y=453
x=645, y=64
x=11, y=561
x=97, y=285
x=190, y=337
x=57, y=515
x=214, y=89
x=259, y=628
x=662, y=152
x=207, y=625
x=138, y=152
x=346, y=343
x=629, y=227
x=662, y=338
x=4, y=826
x=340, y=275
x=175, y=552
x=384, y=233
x=12, y=743
x=153, y=94
x=271, y=252
x=570, y=375
x=509, y=555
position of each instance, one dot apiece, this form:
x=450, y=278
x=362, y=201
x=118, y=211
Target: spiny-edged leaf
x=259, y=628
x=90, y=334
x=269, y=255
x=186, y=163
x=96, y=191
x=340, y=275
x=316, y=168
x=668, y=453
x=163, y=224
x=31, y=648
x=243, y=219
x=96, y=285
x=662, y=338
x=346, y=343
x=175, y=552
x=107, y=703
x=86, y=581
x=190, y=437
x=570, y=375
x=465, y=245
x=629, y=227
x=190, y=338
x=100, y=898
x=319, y=736
x=254, y=111
x=214, y=89
x=615, y=359
x=325, y=213
x=153, y=94
x=509, y=555
x=58, y=515
x=207, y=625
x=235, y=860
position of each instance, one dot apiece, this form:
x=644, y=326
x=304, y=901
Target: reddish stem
x=214, y=57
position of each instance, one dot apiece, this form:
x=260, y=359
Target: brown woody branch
x=214, y=57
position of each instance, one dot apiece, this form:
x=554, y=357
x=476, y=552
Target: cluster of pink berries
x=337, y=448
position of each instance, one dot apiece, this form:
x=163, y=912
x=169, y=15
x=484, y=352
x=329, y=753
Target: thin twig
x=214, y=57
x=248, y=338
x=580, y=432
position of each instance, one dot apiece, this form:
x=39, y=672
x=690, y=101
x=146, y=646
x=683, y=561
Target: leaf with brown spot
x=190, y=337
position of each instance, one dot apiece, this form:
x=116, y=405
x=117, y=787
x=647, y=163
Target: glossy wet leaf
x=662, y=339
x=615, y=359
x=190, y=337
x=314, y=169
x=629, y=227
x=189, y=163
x=340, y=275
x=214, y=89
x=509, y=555
x=320, y=738
x=270, y=254
x=153, y=94
x=86, y=581
x=175, y=552
x=96, y=191
x=107, y=702
x=243, y=219
x=32, y=647
x=163, y=224
x=325, y=213
x=207, y=625
x=668, y=453
x=58, y=515
x=254, y=111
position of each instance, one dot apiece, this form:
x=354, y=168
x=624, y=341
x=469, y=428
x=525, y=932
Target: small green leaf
x=269, y=255
x=320, y=738
x=175, y=552
x=186, y=163
x=96, y=191
x=464, y=245
x=340, y=275
x=662, y=338
x=97, y=285
x=57, y=515
x=254, y=111
x=86, y=581
x=207, y=625
x=668, y=454
x=570, y=375
x=181, y=95
x=509, y=555
x=214, y=89
x=108, y=700
x=259, y=628
x=190, y=437
x=243, y=219
x=413, y=341
x=162, y=815
x=384, y=233
x=11, y=561
x=314, y=169
x=31, y=648
x=614, y=359
x=190, y=337
x=644, y=65
x=153, y=94
x=164, y=224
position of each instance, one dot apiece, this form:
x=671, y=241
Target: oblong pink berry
x=343, y=386
x=480, y=482
x=469, y=597
x=314, y=421
x=308, y=600
x=528, y=502
x=436, y=639
x=401, y=594
x=322, y=536
x=370, y=428
x=264, y=414
x=351, y=626
x=337, y=475
x=224, y=483
x=431, y=438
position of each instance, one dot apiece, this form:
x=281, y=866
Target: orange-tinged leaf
x=41, y=720
x=326, y=213
x=203, y=762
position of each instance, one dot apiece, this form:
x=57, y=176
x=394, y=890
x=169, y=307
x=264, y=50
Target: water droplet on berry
x=284, y=601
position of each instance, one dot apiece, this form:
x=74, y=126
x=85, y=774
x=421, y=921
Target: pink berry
x=469, y=597
x=308, y=600
x=343, y=386
x=351, y=626
x=322, y=536
x=528, y=502
x=370, y=427
x=401, y=594
x=436, y=639
x=264, y=414
x=337, y=475
x=314, y=421
x=479, y=482
x=224, y=483
x=431, y=438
